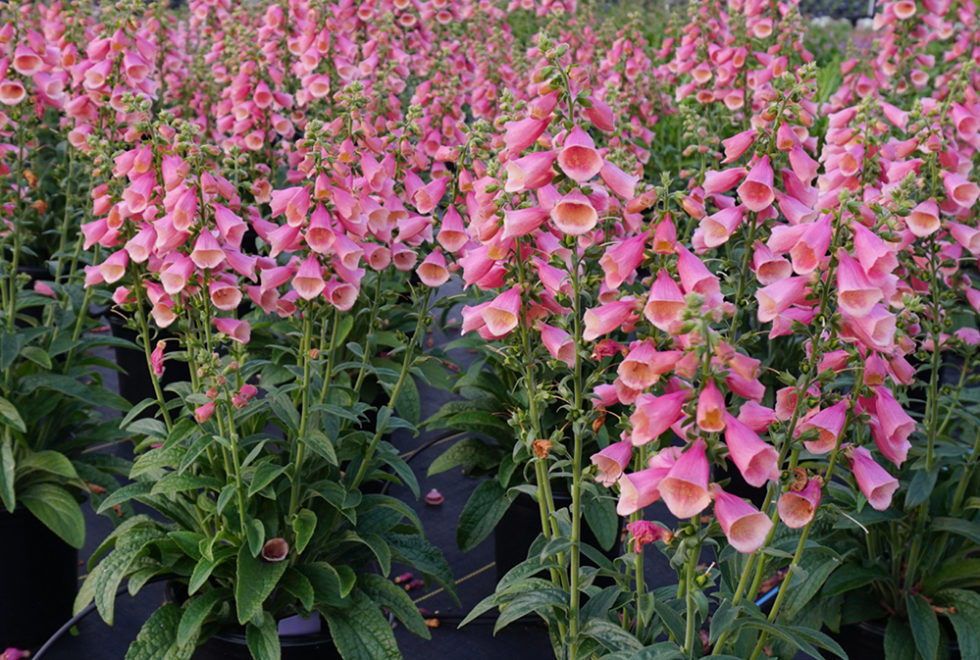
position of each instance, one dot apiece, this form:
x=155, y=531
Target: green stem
x=689, y=604
x=299, y=442
x=144, y=330
x=402, y=375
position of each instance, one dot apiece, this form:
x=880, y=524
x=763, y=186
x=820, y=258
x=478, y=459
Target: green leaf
x=157, y=638
x=128, y=492
x=409, y=406
x=204, y=567
x=254, y=581
x=956, y=573
x=10, y=415
x=415, y=550
x=263, y=639
x=284, y=410
x=526, y=602
x=660, y=651
x=924, y=624
x=325, y=581
x=899, y=644
x=394, y=599
x=467, y=452
x=610, y=635
x=87, y=393
x=304, y=524
x=37, y=356
x=476, y=421
x=921, y=487
x=109, y=574
x=255, y=535
x=849, y=577
x=48, y=461
x=297, y=584
x=196, y=610
x=965, y=619
x=361, y=632
x=318, y=441
x=802, y=590
x=722, y=619
x=960, y=527
x=600, y=514
x=175, y=482
x=7, y=466
x=264, y=474
x=58, y=510
x=483, y=510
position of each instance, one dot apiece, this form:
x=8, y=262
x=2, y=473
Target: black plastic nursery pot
x=38, y=580
x=231, y=645
x=516, y=531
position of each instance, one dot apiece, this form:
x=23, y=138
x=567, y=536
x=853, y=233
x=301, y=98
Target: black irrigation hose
x=76, y=619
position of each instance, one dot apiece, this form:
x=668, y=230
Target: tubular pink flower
x=924, y=218
x=319, y=233
x=638, y=490
x=114, y=267
x=960, y=190
x=522, y=222
x=578, y=158
x=895, y=427
x=452, y=234
x=621, y=183
x=185, y=209
x=622, y=259
x=635, y=370
x=530, y=172
x=502, y=314
x=224, y=294
x=744, y=526
x=829, y=422
x=203, y=412
x=236, y=329
x=606, y=318
x=156, y=358
x=574, y=214
x=137, y=194
x=797, y=508
x=723, y=181
x=519, y=135
x=308, y=281
x=718, y=227
x=558, y=342
x=738, y=144
x=876, y=258
x=230, y=225
x=644, y=532
x=855, y=292
x=611, y=462
x=666, y=303
x=433, y=271
x=780, y=296
x=685, y=487
x=655, y=414
x=140, y=246
x=207, y=254
x=711, y=414
x=427, y=198
x=341, y=295
x=601, y=115
x=12, y=92
x=695, y=276
x=757, y=460
x=756, y=190
x=874, y=481
x=810, y=250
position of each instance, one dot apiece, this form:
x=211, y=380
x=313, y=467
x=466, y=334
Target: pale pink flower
x=757, y=460
x=797, y=508
x=611, y=462
x=685, y=487
x=874, y=481
x=745, y=526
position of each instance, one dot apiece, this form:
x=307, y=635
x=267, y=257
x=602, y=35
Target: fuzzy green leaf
x=255, y=579
x=58, y=510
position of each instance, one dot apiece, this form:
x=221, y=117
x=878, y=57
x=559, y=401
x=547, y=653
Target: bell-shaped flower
x=611, y=462
x=114, y=267
x=574, y=214
x=855, y=292
x=521, y=222
x=923, y=220
x=745, y=527
x=719, y=182
x=757, y=460
x=621, y=183
x=638, y=490
x=653, y=415
x=225, y=293
x=666, y=304
x=829, y=422
x=874, y=481
x=797, y=508
x=810, y=250
x=896, y=425
x=578, y=158
x=756, y=191
x=308, y=281
x=711, y=413
x=207, y=253
x=776, y=298
x=530, y=172
x=452, y=233
x=606, y=318
x=433, y=271
x=521, y=134
x=738, y=144
x=685, y=487
x=960, y=190
x=635, y=370
x=236, y=329
x=620, y=261
x=718, y=227
x=559, y=343
x=502, y=314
